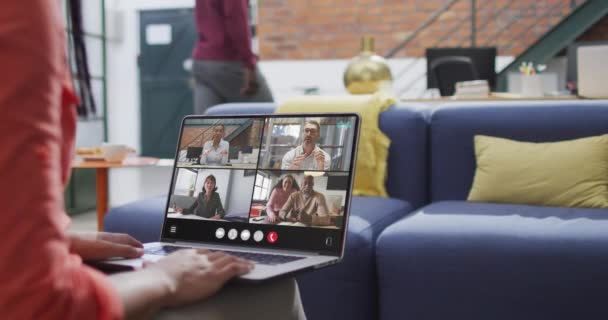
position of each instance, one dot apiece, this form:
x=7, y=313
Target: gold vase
x=368, y=72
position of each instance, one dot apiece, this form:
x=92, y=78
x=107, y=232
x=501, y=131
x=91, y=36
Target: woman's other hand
x=104, y=245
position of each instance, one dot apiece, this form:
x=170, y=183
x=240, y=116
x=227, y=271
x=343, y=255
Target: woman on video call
x=208, y=203
x=279, y=195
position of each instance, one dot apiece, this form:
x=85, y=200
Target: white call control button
x=258, y=236
x=232, y=234
x=245, y=235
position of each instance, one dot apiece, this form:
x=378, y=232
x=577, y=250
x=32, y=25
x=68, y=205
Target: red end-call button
x=272, y=237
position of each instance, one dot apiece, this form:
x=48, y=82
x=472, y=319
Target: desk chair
x=194, y=153
x=451, y=69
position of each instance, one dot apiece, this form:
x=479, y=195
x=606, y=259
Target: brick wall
x=196, y=136
x=331, y=29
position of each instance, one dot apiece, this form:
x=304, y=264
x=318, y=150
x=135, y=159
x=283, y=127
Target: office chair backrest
x=451, y=69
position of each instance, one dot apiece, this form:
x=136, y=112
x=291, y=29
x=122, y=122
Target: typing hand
x=104, y=245
x=192, y=275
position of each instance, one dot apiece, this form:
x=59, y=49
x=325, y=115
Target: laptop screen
x=276, y=181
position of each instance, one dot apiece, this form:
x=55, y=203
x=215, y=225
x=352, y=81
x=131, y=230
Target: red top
x=223, y=31
x=39, y=277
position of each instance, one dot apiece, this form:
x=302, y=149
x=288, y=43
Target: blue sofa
x=454, y=259
x=348, y=290
x=426, y=253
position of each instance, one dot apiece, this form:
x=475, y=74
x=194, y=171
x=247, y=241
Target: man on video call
x=306, y=206
x=308, y=155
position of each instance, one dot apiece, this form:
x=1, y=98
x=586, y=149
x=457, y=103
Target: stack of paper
x=472, y=89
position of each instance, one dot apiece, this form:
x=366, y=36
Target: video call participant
x=208, y=203
x=307, y=156
x=215, y=151
x=306, y=206
x=279, y=195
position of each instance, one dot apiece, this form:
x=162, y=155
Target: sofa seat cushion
x=494, y=261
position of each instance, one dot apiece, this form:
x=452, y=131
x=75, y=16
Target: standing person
x=279, y=195
x=308, y=155
x=215, y=151
x=224, y=67
x=42, y=271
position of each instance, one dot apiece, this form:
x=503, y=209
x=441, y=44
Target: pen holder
x=532, y=86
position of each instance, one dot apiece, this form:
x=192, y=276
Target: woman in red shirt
x=41, y=269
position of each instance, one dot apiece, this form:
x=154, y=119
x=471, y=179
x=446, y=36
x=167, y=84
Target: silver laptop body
x=245, y=169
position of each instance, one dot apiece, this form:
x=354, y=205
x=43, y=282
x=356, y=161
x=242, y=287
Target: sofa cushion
x=571, y=173
x=242, y=108
x=453, y=126
x=494, y=261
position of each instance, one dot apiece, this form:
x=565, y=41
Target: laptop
x=310, y=230
x=592, y=71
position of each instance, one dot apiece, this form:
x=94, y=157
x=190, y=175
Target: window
x=262, y=187
x=185, y=182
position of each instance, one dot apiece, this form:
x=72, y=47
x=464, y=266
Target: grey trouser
x=278, y=299
x=218, y=82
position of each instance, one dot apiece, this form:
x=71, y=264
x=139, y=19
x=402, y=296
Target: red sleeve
x=40, y=278
x=237, y=27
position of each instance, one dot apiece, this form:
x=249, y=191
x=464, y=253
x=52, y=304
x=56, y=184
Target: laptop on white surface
x=310, y=237
x=592, y=71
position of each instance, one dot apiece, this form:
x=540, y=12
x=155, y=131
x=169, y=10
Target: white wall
x=241, y=190
x=127, y=185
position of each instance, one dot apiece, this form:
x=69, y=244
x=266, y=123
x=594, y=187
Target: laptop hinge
x=244, y=248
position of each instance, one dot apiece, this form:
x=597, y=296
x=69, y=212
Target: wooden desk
x=102, y=168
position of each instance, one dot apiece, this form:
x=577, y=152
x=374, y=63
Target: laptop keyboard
x=261, y=258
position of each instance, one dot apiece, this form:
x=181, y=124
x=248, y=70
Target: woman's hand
x=104, y=245
x=216, y=217
x=180, y=278
x=272, y=218
x=193, y=275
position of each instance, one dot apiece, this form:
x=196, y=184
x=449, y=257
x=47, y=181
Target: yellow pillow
x=370, y=173
x=572, y=173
